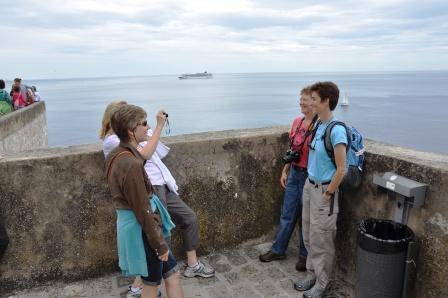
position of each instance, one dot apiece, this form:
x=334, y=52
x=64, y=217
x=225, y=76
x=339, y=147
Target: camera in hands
x=291, y=156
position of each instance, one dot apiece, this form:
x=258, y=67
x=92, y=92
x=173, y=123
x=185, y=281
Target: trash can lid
x=383, y=236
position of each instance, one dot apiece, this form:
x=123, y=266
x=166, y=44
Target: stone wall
x=430, y=223
x=25, y=129
x=61, y=221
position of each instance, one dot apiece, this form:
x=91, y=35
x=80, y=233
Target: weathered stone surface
x=25, y=129
x=218, y=262
x=270, y=287
x=61, y=221
x=428, y=223
x=232, y=278
x=219, y=291
x=244, y=291
x=235, y=258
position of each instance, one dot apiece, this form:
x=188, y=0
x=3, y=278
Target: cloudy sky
x=86, y=38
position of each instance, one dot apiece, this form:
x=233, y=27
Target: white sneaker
x=202, y=270
x=138, y=293
x=134, y=294
x=314, y=292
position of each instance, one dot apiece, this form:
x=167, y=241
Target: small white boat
x=199, y=75
x=344, y=101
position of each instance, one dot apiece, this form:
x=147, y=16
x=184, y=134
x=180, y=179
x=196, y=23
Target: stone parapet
x=430, y=223
x=25, y=129
x=62, y=224
x=61, y=221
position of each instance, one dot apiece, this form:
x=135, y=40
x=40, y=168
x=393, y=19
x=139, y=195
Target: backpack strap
x=113, y=160
x=326, y=137
x=316, y=126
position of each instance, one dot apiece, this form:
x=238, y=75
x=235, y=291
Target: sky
x=68, y=38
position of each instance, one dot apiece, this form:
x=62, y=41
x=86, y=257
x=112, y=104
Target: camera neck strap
x=308, y=132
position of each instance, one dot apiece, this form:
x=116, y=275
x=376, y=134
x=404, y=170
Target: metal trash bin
x=381, y=258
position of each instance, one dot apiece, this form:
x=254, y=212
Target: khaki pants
x=319, y=231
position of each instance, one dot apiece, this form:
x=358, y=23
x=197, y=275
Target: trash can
x=381, y=258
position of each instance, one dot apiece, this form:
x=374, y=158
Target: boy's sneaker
x=199, y=270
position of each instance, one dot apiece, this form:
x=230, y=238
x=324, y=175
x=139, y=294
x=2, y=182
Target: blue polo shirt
x=320, y=166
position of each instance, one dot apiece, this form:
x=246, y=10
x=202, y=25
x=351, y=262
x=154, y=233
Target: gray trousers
x=182, y=216
x=319, y=231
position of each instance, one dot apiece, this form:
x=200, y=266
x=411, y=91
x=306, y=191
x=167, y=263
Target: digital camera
x=291, y=156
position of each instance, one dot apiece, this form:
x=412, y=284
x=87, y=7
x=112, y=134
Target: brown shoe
x=270, y=256
x=301, y=264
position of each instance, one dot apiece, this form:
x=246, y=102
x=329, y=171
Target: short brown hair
x=126, y=118
x=306, y=91
x=2, y=84
x=327, y=90
x=106, y=129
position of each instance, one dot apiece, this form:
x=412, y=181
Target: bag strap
x=327, y=139
x=309, y=131
x=113, y=160
x=296, y=131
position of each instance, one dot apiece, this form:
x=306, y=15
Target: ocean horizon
x=405, y=108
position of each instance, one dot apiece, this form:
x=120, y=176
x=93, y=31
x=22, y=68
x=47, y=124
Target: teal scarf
x=131, y=251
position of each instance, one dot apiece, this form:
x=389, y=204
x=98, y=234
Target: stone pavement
x=239, y=273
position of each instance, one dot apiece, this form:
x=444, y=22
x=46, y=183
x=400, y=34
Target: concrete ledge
x=61, y=222
x=24, y=129
x=62, y=225
x=430, y=223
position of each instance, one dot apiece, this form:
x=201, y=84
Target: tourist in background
x=292, y=179
x=5, y=100
x=37, y=97
x=29, y=96
x=132, y=194
x=23, y=87
x=320, y=194
x=27, y=91
x=18, y=99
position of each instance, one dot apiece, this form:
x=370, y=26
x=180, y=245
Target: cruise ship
x=199, y=75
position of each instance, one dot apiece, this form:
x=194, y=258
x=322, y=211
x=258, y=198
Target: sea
x=403, y=108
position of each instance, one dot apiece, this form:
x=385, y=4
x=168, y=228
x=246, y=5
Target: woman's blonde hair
x=106, y=128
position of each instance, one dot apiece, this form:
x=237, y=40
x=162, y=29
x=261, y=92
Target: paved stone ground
x=239, y=273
